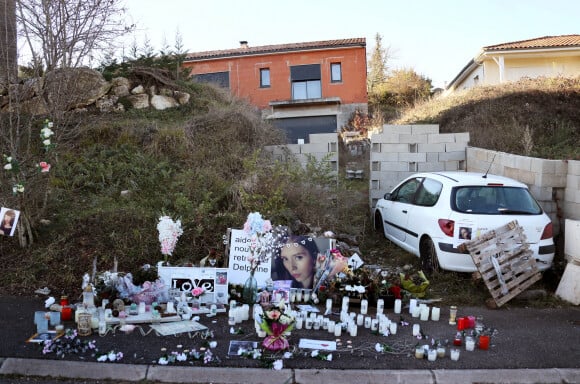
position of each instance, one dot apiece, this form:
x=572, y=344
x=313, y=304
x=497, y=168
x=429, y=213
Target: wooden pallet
x=505, y=262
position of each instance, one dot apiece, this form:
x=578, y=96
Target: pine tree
x=377, y=64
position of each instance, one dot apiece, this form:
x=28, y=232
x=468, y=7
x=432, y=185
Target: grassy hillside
x=114, y=175
x=533, y=117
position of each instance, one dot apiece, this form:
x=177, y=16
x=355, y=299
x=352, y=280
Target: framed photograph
x=44, y=336
x=237, y=347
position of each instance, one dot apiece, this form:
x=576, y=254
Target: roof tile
x=278, y=48
x=540, y=42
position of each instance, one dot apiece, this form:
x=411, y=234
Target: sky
x=435, y=38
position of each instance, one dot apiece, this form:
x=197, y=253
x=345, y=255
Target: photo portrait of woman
x=296, y=260
x=8, y=222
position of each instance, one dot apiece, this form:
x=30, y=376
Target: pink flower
x=44, y=166
x=266, y=226
x=197, y=291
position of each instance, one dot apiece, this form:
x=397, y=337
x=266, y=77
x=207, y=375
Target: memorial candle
x=398, y=305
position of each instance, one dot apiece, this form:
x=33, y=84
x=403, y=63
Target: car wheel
x=429, y=261
x=379, y=227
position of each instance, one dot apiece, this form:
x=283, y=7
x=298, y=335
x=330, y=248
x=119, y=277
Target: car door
x=397, y=210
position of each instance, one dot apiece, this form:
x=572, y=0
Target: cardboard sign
x=239, y=266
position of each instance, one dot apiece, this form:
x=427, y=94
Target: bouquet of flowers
x=169, y=232
x=261, y=245
x=277, y=324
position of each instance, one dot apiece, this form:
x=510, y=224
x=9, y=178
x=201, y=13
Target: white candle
x=309, y=323
x=328, y=305
x=331, y=326
x=440, y=352
x=380, y=306
x=393, y=328
x=364, y=306
x=416, y=311
x=245, y=312
x=374, y=325
x=292, y=295
x=424, y=313
x=432, y=355
x=261, y=333
x=298, y=295
x=398, y=306
x=170, y=307
x=345, y=301
x=360, y=319
x=435, y=313
x=368, y=321
x=416, y=329
x=469, y=343
x=325, y=323
x=353, y=329
x=454, y=354
x=299, y=322
x=383, y=326
x=338, y=329
x=412, y=305
x=306, y=294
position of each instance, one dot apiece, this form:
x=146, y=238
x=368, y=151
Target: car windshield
x=497, y=200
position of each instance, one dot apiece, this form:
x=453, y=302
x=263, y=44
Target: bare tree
x=8, y=62
x=67, y=33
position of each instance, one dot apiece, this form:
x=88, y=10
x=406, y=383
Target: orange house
x=303, y=88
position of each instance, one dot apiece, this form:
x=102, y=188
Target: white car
x=431, y=214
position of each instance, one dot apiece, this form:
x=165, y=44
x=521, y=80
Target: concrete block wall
x=322, y=146
x=554, y=183
x=401, y=150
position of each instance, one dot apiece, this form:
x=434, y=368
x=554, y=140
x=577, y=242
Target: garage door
x=300, y=127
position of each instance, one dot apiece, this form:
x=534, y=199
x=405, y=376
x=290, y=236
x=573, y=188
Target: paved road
x=529, y=346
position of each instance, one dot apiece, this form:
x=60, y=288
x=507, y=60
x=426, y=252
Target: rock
x=182, y=97
x=139, y=101
x=107, y=103
x=161, y=102
x=120, y=86
x=138, y=90
x=71, y=88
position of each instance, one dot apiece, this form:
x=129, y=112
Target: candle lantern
x=89, y=296
x=484, y=342
x=398, y=304
x=435, y=313
x=364, y=306
x=454, y=354
x=84, y=322
x=469, y=343
x=452, y=314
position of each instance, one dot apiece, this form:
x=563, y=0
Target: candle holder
x=452, y=314
x=454, y=354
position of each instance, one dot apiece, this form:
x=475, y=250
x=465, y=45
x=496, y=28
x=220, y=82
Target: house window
x=264, y=77
x=220, y=78
x=306, y=82
x=335, y=73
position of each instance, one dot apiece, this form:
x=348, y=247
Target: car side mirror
x=387, y=196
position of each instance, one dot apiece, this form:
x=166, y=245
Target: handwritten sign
x=239, y=265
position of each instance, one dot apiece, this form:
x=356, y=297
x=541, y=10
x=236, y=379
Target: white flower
x=169, y=232
x=287, y=355
x=360, y=289
x=163, y=361
x=50, y=124
x=9, y=159
x=378, y=347
x=102, y=358
x=256, y=354
x=46, y=142
x=278, y=365
x=112, y=356
x=8, y=166
x=314, y=353
x=181, y=357
x=329, y=357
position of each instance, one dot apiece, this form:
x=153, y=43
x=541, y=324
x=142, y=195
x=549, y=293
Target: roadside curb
x=181, y=374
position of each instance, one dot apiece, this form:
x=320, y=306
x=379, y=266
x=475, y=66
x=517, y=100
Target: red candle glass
x=470, y=322
x=65, y=310
x=457, y=341
x=461, y=323
x=484, y=342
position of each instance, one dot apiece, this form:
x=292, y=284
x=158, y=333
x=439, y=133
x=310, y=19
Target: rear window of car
x=496, y=200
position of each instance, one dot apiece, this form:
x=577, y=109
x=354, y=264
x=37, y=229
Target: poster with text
x=239, y=265
x=463, y=231
x=9, y=220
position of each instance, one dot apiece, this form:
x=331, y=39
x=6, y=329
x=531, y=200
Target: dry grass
x=536, y=117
